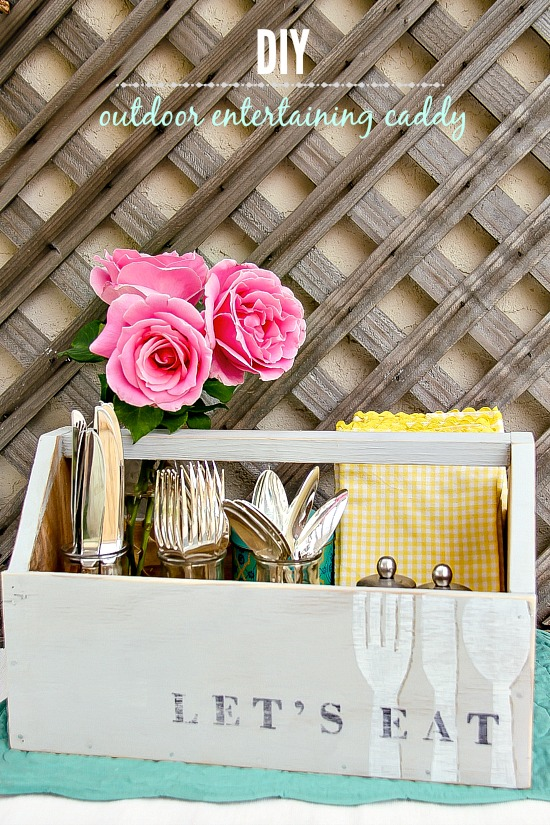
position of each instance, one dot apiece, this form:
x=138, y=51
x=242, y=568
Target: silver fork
x=215, y=494
x=204, y=525
x=188, y=514
x=172, y=509
x=163, y=491
x=382, y=639
x=215, y=483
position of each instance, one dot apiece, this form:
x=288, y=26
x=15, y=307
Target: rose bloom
x=254, y=323
x=129, y=271
x=157, y=350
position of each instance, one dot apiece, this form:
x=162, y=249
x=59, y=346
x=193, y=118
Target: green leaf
x=175, y=421
x=139, y=420
x=218, y=390
x=106, y=393
x=209, y=407
x=198, y=421
x=80, y=347
x=200, y=407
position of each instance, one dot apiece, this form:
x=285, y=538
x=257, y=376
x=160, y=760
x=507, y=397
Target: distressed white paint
x=521, y=513
x=440, y=662
x=500, y=665
x=134, y=643
x=481, y=449
x=383, y=640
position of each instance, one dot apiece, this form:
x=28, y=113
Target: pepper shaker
x=442, y=576
x=386, y=575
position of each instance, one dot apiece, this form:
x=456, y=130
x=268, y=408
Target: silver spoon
x=269, y=496
x=277, y=537
x=300, y=508
x=320, y=527
x=251, y=532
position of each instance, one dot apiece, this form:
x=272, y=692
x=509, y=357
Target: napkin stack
x=423, y=515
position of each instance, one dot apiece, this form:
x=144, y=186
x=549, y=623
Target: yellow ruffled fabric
x=423, y=515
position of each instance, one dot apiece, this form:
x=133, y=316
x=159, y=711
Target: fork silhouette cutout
x=382, y=639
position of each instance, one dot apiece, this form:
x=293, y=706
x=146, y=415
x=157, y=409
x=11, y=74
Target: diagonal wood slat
x=338, y=193
x=452, y=318
x=41, y=25
x=112, y=61
x=244, y=169
x=472, y=53
x=100, y=194
x=413, y=238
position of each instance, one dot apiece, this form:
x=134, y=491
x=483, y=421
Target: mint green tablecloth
x=102, y=778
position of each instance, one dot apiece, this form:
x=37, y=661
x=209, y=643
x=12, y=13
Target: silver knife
x=78, y=425
x=110, y=410
x=112, y=537
x=93, y=500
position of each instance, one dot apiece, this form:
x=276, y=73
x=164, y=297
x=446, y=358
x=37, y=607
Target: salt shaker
x=442, y=576
x=386, y=575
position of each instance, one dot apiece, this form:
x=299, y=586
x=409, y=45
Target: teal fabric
x=102, y=778
x=244, y=563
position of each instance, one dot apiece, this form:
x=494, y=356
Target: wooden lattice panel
x=422, y=261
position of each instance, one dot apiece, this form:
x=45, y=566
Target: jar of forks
x=208, y=565
x=190, y=525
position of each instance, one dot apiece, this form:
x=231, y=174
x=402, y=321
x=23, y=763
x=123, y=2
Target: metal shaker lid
x=386, y=575
x=442, y=576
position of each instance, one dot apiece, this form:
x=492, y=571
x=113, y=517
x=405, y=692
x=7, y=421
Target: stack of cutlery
x=278, y=531
x=188, y=515
x=97, y=492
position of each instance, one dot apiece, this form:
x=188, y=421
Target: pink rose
x=129, y=271
x=253, y=322
x=157, y=350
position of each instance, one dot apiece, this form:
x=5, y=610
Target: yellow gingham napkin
x=423, y=515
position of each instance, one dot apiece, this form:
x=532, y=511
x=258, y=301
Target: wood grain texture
x=113, y=60
x=231, y=729
x=409, y=242
x=393, y=707
x=40, y=26
x=348, y=311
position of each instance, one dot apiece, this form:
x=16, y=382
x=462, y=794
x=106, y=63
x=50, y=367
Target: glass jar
x=194, y=566
x=244, y=561
x=290, y=571
x=114, y=564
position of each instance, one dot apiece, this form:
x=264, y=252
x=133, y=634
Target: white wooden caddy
x=269, y=675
